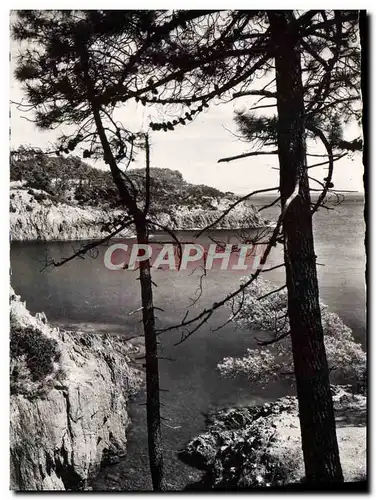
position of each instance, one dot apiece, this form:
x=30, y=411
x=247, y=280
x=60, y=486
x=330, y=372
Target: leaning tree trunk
x=151, y=350
x=152, y=370
x=317, y=422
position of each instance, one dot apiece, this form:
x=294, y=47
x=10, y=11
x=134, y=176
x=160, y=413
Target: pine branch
x=258, y=48
x=247, y=155
x=261, y=92
x=274, y=267
x=329, y=150
x=314, y=54
x=327, y=161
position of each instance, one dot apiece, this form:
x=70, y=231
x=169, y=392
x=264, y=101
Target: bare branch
x=272, y=268
x=272, y=341
x=327, y=161
x=232, y=206
x=136, y=310
x=246, y=155
x=86, y=248
x=262, y=92
x=253, y=108
x=204, y=316
x=173, y=236
x=272, y=292
x=269, y=205
x=329, y=150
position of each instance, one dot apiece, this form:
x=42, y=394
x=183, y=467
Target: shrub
x=40, y=196
x=40, y=180
x=346, y=358
x=253, y=458
x=38, y=352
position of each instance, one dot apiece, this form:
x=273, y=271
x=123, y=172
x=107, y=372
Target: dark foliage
x=40, y=351
x=69, y=177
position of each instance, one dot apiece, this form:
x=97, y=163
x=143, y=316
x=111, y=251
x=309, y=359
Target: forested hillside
x=70, y=180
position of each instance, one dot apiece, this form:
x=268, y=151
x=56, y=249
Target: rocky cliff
x=34, y=215
x=65, y=425
x=242, y=216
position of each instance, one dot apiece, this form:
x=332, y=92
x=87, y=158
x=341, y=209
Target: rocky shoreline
x=61, y=438
x=61, y=435
x=260, y=446
x=36, y=216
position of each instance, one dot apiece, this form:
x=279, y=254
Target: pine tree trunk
x=153, y=417
x=152, y=370
x=319, y=440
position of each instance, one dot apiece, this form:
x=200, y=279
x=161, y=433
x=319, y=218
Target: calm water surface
x=85, y=295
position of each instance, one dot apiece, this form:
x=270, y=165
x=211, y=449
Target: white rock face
x=43, y=220
x=35, y=219
x=57, y=442
x=242, y=215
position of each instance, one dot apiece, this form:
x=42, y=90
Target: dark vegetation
x=65, y=178
x=69, y=179
x=39, y=352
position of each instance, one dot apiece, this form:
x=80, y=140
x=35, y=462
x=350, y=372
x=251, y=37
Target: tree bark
x=152, y=370
x=317, y=422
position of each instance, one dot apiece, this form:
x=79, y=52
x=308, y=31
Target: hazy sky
x=194, y=149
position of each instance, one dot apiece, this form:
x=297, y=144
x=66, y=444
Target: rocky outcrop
x=59, y=438
x=242, y=215
x=260, y=446
x=35, y=215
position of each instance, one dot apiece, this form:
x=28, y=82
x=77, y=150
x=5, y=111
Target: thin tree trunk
x=151, y=350
x=152, y=370
x=317, y=422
